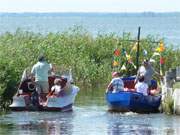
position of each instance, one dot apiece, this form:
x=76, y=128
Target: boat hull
x=125, y=101
x=41, y=108
x=24, y=102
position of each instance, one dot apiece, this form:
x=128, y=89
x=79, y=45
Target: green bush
x=167, y=105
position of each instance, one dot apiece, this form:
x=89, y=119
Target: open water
x=89, y=117
x=163, y=25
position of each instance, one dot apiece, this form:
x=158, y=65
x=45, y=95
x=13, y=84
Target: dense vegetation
x=89, y=57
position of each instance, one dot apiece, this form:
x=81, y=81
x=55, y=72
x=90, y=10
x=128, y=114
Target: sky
x=89, y=5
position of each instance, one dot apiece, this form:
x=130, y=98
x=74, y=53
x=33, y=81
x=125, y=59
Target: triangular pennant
x=123, y=67
x=116, y=59
x=155, y=54
x=115, y=63
x=162, y=60
x=117, y=52
x=144, y=52
x=152, y=60
x=161, y=47
x=124, y=52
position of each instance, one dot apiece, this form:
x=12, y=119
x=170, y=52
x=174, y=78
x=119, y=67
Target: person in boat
x=39, y=73
x=116, y=83
x=56, y=89
x=154, y=89
x=147, y=71
x=141, y=86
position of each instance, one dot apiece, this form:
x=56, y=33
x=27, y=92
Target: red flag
x=117, y=52
x=162, y=60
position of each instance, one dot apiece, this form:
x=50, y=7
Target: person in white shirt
x=141, y=86
x=147, y=71
x=40, y=72
x=57, y=87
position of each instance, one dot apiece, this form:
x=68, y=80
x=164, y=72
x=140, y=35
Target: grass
x=168, y=102
x=167, y=105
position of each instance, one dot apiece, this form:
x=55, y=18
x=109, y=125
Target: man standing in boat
x=116, y=83
x=147, y=71
x=40, y=72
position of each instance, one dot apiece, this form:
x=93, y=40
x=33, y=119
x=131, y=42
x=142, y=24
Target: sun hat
x=114, y=74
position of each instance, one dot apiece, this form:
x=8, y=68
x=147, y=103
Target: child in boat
x=154, y=89
x=141, y=86
x=56, y=89
x=116, y=83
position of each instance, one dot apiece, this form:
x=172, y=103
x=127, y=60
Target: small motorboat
x=27, y=99
x=130, y=100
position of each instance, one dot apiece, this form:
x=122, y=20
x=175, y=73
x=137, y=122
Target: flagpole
x=137, y=53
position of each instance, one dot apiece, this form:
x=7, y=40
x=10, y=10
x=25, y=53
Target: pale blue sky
x=89, y=5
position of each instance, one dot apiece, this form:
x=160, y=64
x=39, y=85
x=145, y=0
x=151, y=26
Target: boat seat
x=25, y=88
x=28, y=87
x=129, y=82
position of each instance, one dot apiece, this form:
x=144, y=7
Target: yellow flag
x=135, y=47
x=128, y=56
x=115, y=63
x=129, y=59
x=161, y=47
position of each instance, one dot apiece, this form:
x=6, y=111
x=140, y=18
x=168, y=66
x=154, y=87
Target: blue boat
x=125, y=101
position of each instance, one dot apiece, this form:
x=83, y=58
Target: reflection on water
x=90, y=117
x=37, y=123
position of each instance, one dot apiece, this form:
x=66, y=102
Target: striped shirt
x=117, y=84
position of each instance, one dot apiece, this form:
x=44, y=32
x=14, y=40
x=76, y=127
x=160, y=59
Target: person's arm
x=137, y=76
x=32, y=74
x=109, y=87
x=51, y=92
x=52, y=69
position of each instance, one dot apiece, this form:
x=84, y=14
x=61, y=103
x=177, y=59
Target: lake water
x=89, y=117
x=165, y=25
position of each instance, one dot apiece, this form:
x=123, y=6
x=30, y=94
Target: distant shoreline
x=92, y=13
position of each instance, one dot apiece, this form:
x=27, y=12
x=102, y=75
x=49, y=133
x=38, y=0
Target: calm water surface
x=165, y=25
x=90, y=117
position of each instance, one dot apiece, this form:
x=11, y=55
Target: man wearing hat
x=147, y=71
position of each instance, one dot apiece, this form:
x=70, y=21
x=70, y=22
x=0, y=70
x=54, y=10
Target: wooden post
x=137, y=53
x=177, y=73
